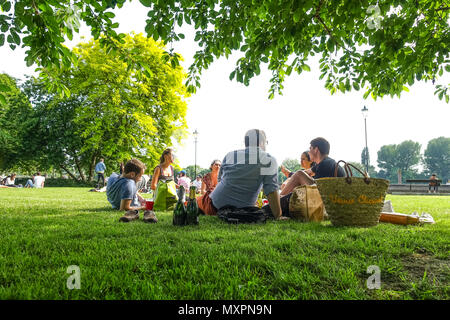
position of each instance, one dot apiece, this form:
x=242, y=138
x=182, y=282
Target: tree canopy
x=437, y=158
x=404, y=157
x=379, y=46
x=111, y=112
x=14, y=116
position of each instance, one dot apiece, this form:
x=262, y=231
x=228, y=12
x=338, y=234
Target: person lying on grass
x=324, y=167
x=121, y=192
x=242, y=175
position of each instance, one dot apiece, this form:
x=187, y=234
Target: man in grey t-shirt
x=244, y=172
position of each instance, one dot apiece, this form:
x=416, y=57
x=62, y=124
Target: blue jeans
x=29, y=184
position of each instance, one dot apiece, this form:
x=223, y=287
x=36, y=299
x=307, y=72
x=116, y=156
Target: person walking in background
x=100, y=171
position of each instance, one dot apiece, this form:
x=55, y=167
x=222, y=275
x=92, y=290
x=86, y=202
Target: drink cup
x=149, y=205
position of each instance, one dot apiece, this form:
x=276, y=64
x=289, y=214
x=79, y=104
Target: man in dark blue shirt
x=324, y=168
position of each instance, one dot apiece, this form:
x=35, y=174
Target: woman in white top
x=11, y=180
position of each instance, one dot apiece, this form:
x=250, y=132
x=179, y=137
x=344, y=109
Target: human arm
x=275, y=206
x=203, y=187
x=285, y=171
x=155, y=178
x=140, y=199
x=125, y=204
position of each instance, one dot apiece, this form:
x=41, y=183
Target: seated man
x=122, y=193
x=198, y=183
x=38, y=180
x=30, y=183
x=324, y=167
x=433, y=183
x=242, y=175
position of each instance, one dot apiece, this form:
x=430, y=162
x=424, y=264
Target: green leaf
x=306, y=67
x=2, y=39
x=2, y=99
x=297, y=15
x=330, y=45
x=4, y=88
x=146, y=3
x=6, y=6
x=366, y=94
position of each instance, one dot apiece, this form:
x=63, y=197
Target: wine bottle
x=179, y=213
x=192, y=207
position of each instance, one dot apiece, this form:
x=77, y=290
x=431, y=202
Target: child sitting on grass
x=122, y=193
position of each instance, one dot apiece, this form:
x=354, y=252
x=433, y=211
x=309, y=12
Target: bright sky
x=223, y=110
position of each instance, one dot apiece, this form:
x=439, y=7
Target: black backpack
x=243, y=215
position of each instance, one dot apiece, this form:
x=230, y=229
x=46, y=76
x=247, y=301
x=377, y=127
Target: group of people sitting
x=234, y=182
x=36, y=181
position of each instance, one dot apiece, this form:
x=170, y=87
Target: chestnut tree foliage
x=378, y=46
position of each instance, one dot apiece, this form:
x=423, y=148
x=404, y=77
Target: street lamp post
x=195, y=164
x=365, y=112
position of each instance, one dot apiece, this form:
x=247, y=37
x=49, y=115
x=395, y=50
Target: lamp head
x=365, y=112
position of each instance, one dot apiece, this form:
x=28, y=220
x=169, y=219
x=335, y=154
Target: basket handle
x=348, y=170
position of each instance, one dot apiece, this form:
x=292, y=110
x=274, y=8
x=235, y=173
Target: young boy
x=122, y=193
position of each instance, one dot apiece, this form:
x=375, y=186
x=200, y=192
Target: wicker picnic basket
x=353, y=201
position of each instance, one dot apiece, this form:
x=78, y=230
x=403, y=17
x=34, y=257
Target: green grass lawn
x=43, y=232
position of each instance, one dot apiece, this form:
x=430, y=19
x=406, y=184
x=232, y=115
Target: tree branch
x=70, y=173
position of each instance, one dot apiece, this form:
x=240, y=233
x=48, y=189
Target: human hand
x=285, y=171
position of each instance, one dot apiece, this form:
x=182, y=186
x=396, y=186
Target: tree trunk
x=77, y=163
x=92, y=166
x=399, y=176
x=70, y=173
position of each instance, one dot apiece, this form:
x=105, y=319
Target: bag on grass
x=242, y=215
x=306, y=204
x=353, y=201
x=165, y=196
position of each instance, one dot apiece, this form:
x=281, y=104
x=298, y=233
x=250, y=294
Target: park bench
x=411, y=181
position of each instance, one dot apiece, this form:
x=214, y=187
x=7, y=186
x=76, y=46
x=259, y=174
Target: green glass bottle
x=192, y=207
x=179, y=213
